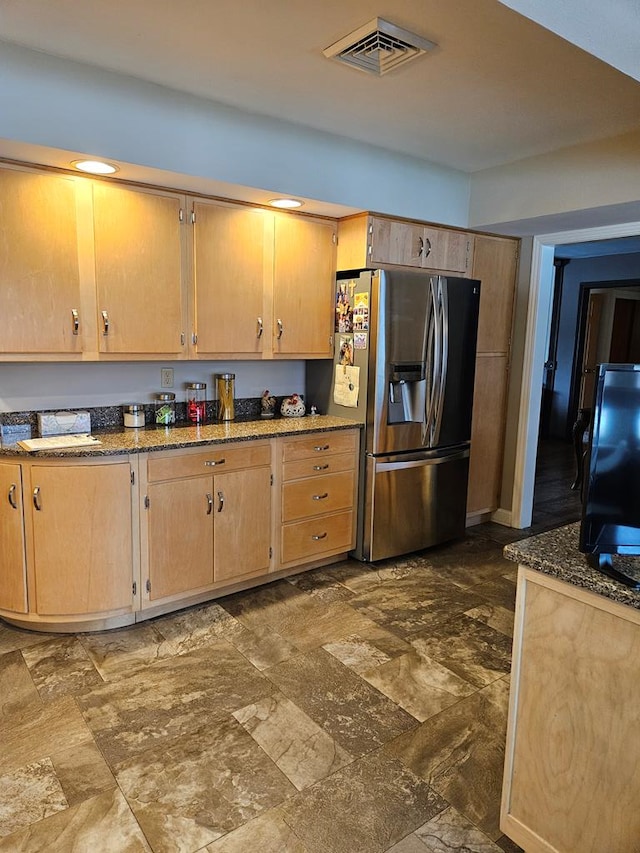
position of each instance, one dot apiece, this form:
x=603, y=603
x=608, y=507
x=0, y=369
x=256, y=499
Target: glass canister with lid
x=196, y=402
x=165, y=408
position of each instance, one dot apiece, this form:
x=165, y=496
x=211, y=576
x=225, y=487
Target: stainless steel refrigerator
x=404, y=366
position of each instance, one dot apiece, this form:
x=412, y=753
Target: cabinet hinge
x=331, y=341
x=271, y=482
x=181, y=215
x=270, y=552
x=146, y=501
x=193, y=217
x=334, y=239
x=148, y=585
x=370, y=250
x=134, y=588
x=133, y=478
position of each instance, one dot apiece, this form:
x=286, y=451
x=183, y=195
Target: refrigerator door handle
x=431, y=360
x=403, y=464
x=443, y=324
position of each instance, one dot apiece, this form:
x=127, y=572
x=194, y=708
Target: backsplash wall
x=45, y=386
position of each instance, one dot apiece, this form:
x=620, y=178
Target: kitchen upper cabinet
x=495, y=261
x=231, y=258
x=139, y=271
x=80, y=518
x=303, y=287
x=368, y=240
x=13, y=576
x=40, y=301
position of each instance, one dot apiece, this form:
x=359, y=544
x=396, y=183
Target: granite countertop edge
x=116, y=442
x=556, y=553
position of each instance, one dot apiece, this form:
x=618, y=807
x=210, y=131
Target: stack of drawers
x=319, y=483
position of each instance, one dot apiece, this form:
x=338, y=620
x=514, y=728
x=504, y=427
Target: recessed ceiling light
x=95, y=167
x=286, y=203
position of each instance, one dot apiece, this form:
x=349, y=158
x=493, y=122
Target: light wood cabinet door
x=303, y=287
x=138, y=268
x=230, y=269
x=39, y=267
x=242, y=523
x=487, y=433
x=495, y=262
x=13, y=577
x=449, y=251
x=82, y=538
x=396, y=242
x=180, y=536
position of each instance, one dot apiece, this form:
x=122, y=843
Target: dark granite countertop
x=556, y=553
x=120, y=441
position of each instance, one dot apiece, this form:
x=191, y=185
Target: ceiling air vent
x=378, y=47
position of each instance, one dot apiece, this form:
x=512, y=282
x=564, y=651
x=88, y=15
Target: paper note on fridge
x=346, y=386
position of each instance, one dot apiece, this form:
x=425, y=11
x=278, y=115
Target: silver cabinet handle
x=105, y=322
x=36, y=499
x=210, y=463
x=209, y=503
x=321, y=467
x=220, y=501
x=260, y=328
x=280, y=328
x=421, y=248
x=11, y=496
x=75, y=321
x=320, y=536
x=320, y=447
x=427, y=245
x=320, y=497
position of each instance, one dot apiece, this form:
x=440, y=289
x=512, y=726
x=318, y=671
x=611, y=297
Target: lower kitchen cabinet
x=318, y=496
x=80, y=524
x=13, y=567
x=206, y=519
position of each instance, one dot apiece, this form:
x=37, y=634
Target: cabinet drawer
x=318, y=445
x=216, y=459
x=306, y=539
x=314, y=467
x=306, y=498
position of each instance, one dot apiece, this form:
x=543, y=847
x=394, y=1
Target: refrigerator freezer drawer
x=414, y=504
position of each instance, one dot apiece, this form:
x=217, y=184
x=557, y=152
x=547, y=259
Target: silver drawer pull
x=209, y=503
x=212, y=462
x=11, y=496
x=320, y=497
x=320, y=447
x=36, y=499
x=321, y=536
x=321, y=467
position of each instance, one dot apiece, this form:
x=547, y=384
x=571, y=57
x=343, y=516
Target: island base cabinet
x=13, y=574
x=571, y=780
x=81, y=526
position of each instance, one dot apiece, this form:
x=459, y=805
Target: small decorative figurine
x=268, y=405
x=293, y=407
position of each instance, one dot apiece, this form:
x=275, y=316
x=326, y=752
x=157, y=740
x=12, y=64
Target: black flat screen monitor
x=611, y=501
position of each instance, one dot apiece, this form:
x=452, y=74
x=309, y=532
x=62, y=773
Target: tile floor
x=347, y=710
x=355, y=709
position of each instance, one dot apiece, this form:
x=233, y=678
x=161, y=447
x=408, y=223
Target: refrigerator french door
x=415, y=365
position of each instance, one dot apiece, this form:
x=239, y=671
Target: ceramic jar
x=293, y=407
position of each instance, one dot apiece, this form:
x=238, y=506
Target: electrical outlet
x=166, y=377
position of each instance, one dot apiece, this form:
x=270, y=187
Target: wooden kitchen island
x=153, y=520
x=572, y=778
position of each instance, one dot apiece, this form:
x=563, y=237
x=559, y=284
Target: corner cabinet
x=205, y=520
x=13, y=567
x=75, y=523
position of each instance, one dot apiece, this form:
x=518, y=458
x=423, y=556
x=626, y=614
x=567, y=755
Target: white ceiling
x=498, y=87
